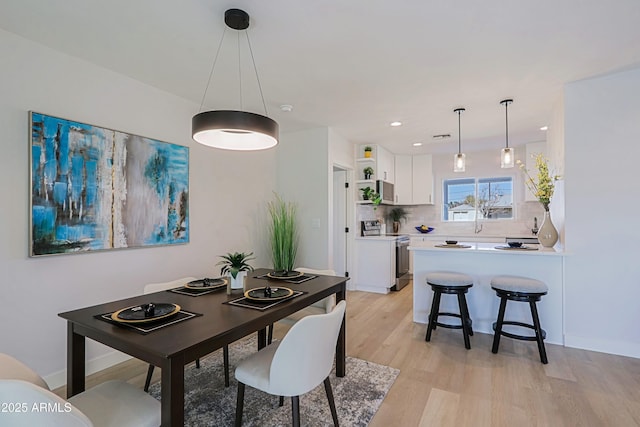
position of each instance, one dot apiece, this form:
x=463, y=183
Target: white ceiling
x=356, y=65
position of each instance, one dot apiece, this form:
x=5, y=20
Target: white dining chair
x=323, y=306
x=295, y=365
x=109, y=404
x=163, y=286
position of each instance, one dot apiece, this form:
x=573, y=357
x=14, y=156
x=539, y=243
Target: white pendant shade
x=459, y=162
x=507, y=158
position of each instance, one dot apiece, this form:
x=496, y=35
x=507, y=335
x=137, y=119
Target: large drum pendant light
x=231, y=129
x=459, y=159
x=507, y=157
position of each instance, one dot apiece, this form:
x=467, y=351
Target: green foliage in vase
x=396, y=214
x=234, y=263
x=283, y=231
x=543, y=185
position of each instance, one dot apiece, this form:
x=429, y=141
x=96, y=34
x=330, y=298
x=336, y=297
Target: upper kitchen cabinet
x=403, y=187
x=413, y=180
x=386, y=165
x=532, y=149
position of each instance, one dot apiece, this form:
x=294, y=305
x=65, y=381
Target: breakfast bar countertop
x=485, y=247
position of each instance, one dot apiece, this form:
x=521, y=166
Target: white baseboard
x=373, y=289
x=58, y=379
x=621, y=348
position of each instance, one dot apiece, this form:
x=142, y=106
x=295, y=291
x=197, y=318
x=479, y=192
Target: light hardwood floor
x=443, y=384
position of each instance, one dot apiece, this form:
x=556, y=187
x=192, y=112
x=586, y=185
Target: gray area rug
x=358, y=395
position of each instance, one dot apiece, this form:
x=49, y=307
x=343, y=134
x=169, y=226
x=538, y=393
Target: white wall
x=228, y=192
x=602, y=276
x=303, y=177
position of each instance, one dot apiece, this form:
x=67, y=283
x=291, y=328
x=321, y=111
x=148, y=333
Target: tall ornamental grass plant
x=283, y=231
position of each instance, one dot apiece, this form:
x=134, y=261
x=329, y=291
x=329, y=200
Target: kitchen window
x=468, y=199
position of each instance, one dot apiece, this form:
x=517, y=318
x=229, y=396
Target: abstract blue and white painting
x=94, y=189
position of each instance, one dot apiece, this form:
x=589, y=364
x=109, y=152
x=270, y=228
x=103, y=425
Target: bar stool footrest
x=519, y=337
x=444, y=325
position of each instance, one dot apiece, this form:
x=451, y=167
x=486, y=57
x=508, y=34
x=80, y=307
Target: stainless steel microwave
x=385, y=190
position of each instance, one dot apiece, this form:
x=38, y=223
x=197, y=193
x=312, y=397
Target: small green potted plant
x=368, y=171
x=369, y=193
x=235, y=266
x=367, y=151
x=396, y=215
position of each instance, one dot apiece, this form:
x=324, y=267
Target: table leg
x=262, y=338
x=341, y=345
x=75, y=361
x=172, y=394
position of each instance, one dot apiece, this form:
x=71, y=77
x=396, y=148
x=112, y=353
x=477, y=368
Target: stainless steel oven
x=402, y=262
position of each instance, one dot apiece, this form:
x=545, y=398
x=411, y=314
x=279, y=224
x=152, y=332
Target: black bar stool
x=521, y=289
x=447, y=282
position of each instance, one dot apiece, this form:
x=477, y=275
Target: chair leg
x=197, y=363
x=538, y=329
x=332, y=403
x=239, y=404
x=281, y=402
x=469, y=321
x=225, y=358
x=295, y=410
x=147, y=382
x=498, y=328
x=463, y=318
x=270, y=334
x=433, y=314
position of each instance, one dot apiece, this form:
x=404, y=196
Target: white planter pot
x=238, y=282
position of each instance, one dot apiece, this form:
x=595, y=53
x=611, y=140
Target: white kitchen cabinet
x=375, y=264
x=403, y=187
x=533, y=148
x=386, y=165
x=422, y=178
x=414, y=180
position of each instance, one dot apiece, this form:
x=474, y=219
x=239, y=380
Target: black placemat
x=257, y=305
x=296, y=280
x=145, y=328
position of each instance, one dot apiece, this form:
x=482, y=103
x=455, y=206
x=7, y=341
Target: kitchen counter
x=485, y=247
x=482, y=261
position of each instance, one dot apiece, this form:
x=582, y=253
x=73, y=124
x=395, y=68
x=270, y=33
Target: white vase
x=238, y=282
x=547, y=235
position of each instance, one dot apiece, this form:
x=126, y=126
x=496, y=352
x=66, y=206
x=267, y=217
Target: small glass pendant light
x=459, y=159
x=507, y=157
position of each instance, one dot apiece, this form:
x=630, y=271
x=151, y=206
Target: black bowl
x=451, y=242
x=515, y=244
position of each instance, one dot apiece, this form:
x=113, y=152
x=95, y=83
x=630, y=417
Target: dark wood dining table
x=174, y=346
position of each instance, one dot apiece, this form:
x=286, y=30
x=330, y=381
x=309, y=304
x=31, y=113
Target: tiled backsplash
x=432, y=216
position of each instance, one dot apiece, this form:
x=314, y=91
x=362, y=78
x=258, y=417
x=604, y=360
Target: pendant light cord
x=213, y=66
x=240, y=72
x=264, y=105
x=459, y=147
x=506, y=122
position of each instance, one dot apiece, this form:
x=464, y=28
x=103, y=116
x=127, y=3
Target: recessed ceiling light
x=417, y=144
x=394, y=124
x=544, y=128
x=287, y=108
x=442, y=136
